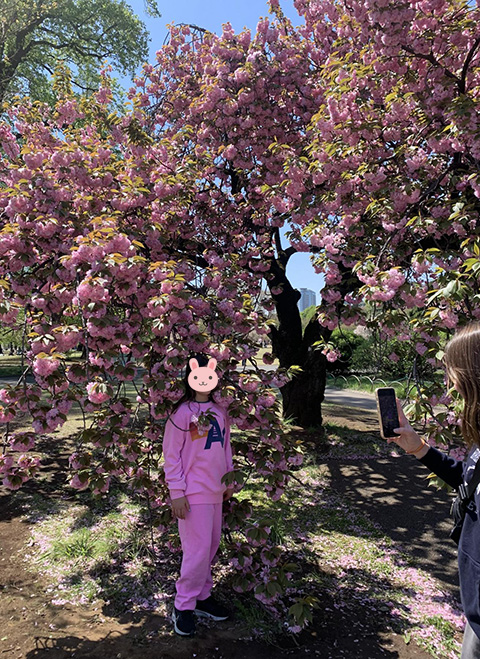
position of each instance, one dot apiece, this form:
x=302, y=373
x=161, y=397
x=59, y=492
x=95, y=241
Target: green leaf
x=296, y=611
x=273, y=588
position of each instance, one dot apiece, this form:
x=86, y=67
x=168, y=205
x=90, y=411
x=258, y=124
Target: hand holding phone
x=387, y=411
x=391, y=416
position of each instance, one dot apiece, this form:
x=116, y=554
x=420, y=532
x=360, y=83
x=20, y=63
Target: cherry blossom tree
x=99, y=252
x=140, y=237
x=392, y=175
x=236, y=104
x=360, y=129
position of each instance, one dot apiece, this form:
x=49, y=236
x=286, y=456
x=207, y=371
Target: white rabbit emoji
x=203, y=378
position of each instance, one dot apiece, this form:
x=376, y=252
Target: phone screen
x=387, y=407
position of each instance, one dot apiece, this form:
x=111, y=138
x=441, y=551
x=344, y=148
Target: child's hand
x=228, y=493
x=408, y=439
x=180, y=507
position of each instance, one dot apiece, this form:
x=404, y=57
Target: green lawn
x=369, y=384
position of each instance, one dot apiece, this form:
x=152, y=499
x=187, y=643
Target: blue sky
x=211, y=14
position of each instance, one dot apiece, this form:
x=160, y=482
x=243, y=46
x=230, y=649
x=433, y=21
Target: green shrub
x=372, y=356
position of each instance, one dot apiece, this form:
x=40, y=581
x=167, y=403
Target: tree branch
x=463, y=77
x=62, y=46
x=290, y=251
x=278, y=241
x=431, y=58
x=283, y=254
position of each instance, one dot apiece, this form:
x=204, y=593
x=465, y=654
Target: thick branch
x=72, y=45
x=287, y=338
x=283, y=255
x=463, y=78
x=7, y=71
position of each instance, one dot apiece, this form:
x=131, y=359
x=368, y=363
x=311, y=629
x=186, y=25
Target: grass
x=366, y=383
x=340, y=442
x=93, y=549
x=10, y=366
x=78, y=544
x=257, y=620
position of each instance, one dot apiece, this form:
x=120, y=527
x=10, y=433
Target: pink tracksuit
x=195, y=464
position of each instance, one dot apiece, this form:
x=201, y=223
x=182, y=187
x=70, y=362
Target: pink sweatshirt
x=196, y=463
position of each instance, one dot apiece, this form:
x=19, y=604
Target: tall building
x=308, y=298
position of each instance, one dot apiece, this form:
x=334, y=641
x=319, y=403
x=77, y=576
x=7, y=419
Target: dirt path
x=350, y=398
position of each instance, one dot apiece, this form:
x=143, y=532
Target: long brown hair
x=462, y=361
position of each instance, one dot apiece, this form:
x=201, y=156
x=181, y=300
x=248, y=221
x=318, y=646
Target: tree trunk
x=304, y=394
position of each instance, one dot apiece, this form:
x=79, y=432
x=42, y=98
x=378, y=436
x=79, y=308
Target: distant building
x=308, y=298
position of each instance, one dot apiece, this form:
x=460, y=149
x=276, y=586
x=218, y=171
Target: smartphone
x=387, y=411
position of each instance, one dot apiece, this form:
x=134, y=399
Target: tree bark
x=303, y=396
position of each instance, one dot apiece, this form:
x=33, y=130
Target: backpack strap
x=467, y=491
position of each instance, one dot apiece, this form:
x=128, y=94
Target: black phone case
x=387, y=411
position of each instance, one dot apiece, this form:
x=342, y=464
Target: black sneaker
x=210, y=608
x=183, y=622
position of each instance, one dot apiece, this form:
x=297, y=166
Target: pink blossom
x=76, y=483
x=6, y=463
x=331, y=355
x=22, y=442
x=449, y=318
x=6, y=415
x=230, y=152
x=97, y=392
x=12, y=482
x=45, y=366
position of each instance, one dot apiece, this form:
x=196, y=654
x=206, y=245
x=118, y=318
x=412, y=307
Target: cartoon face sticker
x=203, y=378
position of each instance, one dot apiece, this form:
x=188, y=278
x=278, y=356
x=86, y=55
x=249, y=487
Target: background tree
x=307, y=314
x=378, y=355
x=392, y=174
x=36, y=34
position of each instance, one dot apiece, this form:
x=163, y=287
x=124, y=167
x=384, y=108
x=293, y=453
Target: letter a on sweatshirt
x=214, y=435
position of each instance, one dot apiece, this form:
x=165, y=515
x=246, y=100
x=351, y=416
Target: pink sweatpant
x=200, y=533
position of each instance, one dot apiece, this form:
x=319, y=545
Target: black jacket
x=455, y=472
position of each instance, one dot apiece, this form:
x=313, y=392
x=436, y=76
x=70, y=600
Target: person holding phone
x=462, y=362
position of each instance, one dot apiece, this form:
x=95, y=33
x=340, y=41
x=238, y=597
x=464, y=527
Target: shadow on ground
x=393, y=492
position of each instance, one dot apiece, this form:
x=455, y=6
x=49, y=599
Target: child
x=196, y=459
x=462, y=361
